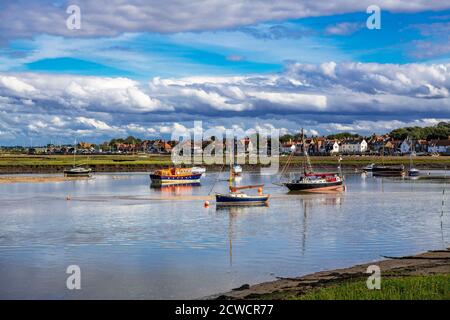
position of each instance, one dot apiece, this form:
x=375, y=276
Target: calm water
x=130, y=241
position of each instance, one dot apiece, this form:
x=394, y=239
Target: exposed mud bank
x=120, y=167
x=431, y=262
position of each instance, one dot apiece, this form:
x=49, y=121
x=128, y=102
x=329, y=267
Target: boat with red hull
x=314, y=181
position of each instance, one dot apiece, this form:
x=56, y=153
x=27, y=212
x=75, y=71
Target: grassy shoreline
x=429, y=287
x=422, y=276
x=127, y=163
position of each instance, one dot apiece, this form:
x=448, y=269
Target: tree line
x=439, y=131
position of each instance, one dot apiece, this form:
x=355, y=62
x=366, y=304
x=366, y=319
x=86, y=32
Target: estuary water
x=132, y=241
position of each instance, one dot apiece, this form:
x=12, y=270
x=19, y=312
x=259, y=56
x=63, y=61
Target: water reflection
x=159, y=246
x=306, y=201
x=325, y=199
x=234, y=212
x=237, y=180
x=332, y=199
x=176, y=189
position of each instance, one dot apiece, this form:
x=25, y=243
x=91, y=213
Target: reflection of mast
x=305, y=215
x=230, y=235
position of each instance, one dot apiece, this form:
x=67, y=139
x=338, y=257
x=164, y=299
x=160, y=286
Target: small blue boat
x=236, y=197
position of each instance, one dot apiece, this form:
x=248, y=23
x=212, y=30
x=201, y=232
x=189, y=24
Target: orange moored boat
x=175, y=176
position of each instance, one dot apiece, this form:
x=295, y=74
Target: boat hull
x=199, y=170
x=224, y=199
x=69, y=173
x=388, y=171
x=315, y=187
x=165, y=180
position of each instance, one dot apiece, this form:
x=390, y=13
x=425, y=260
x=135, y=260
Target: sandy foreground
x=431, y=262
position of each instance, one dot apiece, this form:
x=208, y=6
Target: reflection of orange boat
x=175, y=176
x=178, y=189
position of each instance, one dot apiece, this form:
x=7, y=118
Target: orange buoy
x=260, y=190
x=206, y=204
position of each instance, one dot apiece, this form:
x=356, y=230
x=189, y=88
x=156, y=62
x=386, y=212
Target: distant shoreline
x=20, y=164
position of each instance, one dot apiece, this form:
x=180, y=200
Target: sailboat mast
x=230, y=179
x=74, y=151
x=411, y=150
x=307, y=161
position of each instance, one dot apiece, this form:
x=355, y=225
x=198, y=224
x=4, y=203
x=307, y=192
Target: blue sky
x=259, y=48
x=135, y=66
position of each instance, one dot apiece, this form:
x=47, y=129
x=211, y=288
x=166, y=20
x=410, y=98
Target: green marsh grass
x=431, y=287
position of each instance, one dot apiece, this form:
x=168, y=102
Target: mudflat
x=34, y=179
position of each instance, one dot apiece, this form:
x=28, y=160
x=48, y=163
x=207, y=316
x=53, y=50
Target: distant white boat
x=78, y=172
x=369, y=167
x=413, y=172
x=237, y=170
x=201, y=170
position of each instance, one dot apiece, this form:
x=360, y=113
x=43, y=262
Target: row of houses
x=147, y=146
x=323, y=146
x=376, y=145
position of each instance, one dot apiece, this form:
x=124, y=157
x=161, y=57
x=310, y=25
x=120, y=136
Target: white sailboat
x=412, y=172
x=77, y=170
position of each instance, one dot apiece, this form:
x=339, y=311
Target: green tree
x=439, y=131
x=343, y=135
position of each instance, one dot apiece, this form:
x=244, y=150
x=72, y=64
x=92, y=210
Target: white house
x=439, y=146
x=334, y=148
x=353, y=146
x=287, y=148
x=406, y=146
